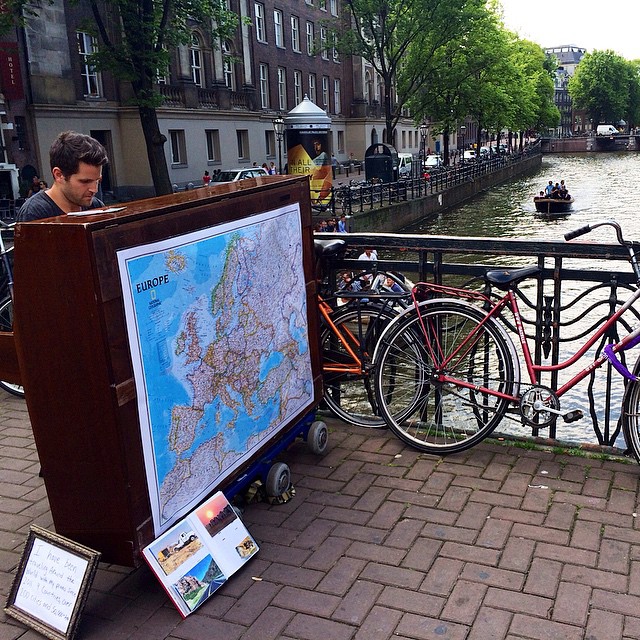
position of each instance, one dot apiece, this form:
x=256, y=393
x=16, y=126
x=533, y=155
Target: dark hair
x=70, y=148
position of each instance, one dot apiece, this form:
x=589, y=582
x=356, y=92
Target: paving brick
x=560, y=516
x=533, y=518
x=586, y=535
x=490, y=623
x=376, y=553
x=269, y=625
x=373, y=500
x=464, y=602
x=327, y=553
x=411, y=601
x=341, y=576
x=627, y=605
x=543, y=577
x=425, y=628
x=354, y=607
x=469, y=553
x=517, y=554
x=455, y=533
x=442, y=576
x=540, y=629
x=517, y=602
x=493, y=576
x=422, y=554
x=614, y=556
x=308, y=627
x=252, y=603
x=396, y=576
x=604, y=625
x=473, y=516
x=494, y=534
x=386, y=515
x=566, y=554
x=305, y=601
x=622, y=501
x=594, y=577
x=572, y=603
x=379, y=625
x=404, y=533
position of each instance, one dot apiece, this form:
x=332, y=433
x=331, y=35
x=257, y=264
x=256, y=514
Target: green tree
x=601, y=86
x=382, y=32
x=134, y=39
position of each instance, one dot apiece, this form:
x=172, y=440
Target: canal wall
x=399, y=215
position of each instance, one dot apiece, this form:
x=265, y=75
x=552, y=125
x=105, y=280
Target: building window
x=87, y=44
x=278, y=26
x=178, y=147
x=322, y=4
x=282, y=88
x=337, y=106
x=261, y=34
x=213, y=145
x=325, y=92
x=295, y=33
x=297, y=87
x=312, y=87
x=340, y=141
x=243, y=144
x=227, y=66
x=195, y=55
x=324, y=43
x=264, y=86
x=336, y=56
x=21, y=132
x=270, y=143
x=333, y=4
x=310, y=38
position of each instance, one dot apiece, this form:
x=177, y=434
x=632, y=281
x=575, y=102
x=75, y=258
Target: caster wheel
x=318, y=438
x=278, y=480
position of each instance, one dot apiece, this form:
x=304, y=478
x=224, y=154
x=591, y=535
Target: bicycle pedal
x=572, y=416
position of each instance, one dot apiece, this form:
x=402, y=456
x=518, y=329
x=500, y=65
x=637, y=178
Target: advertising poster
x=309, y=153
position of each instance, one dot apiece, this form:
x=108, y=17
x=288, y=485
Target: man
x=76, y=166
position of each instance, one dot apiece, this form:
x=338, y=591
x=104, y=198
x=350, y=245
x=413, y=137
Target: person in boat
x=548, y=189
x=564, y=194
x=540, y=197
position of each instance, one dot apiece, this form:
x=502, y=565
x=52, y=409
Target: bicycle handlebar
x=577, y=232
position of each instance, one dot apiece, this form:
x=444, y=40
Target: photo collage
x=198, y=554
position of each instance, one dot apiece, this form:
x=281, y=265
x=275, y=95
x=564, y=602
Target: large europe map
x=217, y=325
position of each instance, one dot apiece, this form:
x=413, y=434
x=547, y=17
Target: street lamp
x=462, y=130
x=424, y=130
x=278, y=127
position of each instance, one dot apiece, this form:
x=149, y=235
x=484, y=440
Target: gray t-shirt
x=40, y=205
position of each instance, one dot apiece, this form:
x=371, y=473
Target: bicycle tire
x=631, y=414
x=432, y=416
x=6, y=315
x=351, y=397
x=6, y=324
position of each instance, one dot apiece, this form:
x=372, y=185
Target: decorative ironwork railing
x=579, y=287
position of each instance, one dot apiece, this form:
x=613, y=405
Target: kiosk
x=164, y=348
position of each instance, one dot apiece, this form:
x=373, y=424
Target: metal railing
x=579, y=287
x=360, y=195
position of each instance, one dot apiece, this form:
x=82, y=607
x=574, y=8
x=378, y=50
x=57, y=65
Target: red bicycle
x=447, y=371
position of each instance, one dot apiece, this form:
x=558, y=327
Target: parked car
x=432, y=161
x=233, y=175
x=469, y=154
x=405, y=161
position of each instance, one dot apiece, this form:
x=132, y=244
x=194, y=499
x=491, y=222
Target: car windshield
x=224, y=176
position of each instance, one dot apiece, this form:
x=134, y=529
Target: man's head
x=76, y=165
x=70, y=148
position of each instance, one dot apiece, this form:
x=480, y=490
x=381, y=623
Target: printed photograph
x=197, y=584
x=247, y=548
x=175, y=547
x=216, y=514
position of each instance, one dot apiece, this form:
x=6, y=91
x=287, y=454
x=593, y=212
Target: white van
x=404, y=164
x=606, y=130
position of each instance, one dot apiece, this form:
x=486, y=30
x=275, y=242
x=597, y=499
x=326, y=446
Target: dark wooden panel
x=9, y=370
x=74, y=356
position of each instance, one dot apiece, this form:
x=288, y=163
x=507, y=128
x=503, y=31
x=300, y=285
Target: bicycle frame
x=509, y=301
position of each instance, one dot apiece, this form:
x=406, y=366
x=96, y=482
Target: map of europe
x=217, y=324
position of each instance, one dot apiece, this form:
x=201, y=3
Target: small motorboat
x=553, y=207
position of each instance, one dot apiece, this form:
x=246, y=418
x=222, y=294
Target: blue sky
x=591, y=24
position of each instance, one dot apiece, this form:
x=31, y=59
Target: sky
x=591, y=24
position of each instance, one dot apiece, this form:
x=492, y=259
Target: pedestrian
x=342, y=224
x=334, y=165
x=35, y=186
x=76, y=163
x=272, y=169
x=206, y=179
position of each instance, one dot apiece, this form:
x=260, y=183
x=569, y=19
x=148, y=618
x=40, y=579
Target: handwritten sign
x=52, y=583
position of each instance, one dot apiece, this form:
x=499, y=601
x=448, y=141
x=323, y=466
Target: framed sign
x=51, y=586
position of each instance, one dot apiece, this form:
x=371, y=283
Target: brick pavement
x=382, y=542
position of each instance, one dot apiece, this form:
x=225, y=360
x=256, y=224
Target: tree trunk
x=155, y=150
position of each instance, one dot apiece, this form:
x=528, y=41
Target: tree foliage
x=382, y=33
x=605, y=85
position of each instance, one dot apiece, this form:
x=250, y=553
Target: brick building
x=219, y=101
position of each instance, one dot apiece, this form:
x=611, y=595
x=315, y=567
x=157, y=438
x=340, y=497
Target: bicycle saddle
x=328, y=247
x=504, y=278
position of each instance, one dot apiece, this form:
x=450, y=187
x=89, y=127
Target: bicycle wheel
x=631, y=415
x=6, y=324
x=350, y=396
x=426, y=412
x=6, y=315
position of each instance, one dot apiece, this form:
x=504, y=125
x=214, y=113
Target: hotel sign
x=10, y=74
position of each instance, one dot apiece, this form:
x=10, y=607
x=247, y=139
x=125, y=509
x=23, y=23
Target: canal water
x=604, y=185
